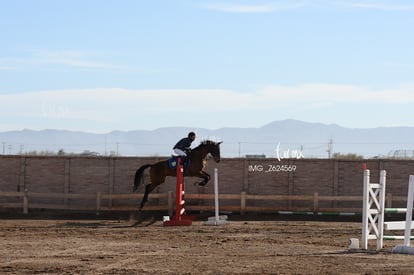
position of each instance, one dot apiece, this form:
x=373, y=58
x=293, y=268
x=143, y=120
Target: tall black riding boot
x=183, y=161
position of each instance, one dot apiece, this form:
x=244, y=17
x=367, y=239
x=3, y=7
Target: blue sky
x=99, y=66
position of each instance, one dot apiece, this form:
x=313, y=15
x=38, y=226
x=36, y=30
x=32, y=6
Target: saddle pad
x=173, y=161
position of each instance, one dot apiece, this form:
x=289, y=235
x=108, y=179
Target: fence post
x=98, y=202
x=66, y=184
x=111, y=179
x=25, y=202
x=242, y=203
x=22, y=175
x=315, y=202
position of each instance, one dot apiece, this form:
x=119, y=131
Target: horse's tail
x=139, y=176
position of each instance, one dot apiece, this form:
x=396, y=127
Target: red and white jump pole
x=179, y=217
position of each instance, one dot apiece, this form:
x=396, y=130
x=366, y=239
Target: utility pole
x=330, y=148
x=105, y=145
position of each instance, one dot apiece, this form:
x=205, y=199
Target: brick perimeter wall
x=115, y=176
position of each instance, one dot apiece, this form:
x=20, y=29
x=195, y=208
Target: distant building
x=256, y=156
x=88, y=153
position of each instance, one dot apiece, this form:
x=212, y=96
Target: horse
x=196, y=160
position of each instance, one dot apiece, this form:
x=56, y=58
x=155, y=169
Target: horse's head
x=212, y=148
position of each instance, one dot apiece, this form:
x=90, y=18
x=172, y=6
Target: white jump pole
x=216, y=220
x=406, y=248
x=409, y=214
x=365, y=207
x=216, y=201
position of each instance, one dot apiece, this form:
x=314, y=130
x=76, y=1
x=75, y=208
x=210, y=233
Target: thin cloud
x=242, y=8
x=329, y=94
x=108, y=109
x=73, y=59
x=8, y=68
x=127, y=101
x=389, y=6
x=290, y=5
x=9, y=64
x=69, y=58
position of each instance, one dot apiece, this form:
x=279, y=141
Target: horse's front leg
x=206, y=177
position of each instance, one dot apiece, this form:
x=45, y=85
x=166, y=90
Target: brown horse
x=160, y=170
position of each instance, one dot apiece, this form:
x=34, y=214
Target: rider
x=182, y=148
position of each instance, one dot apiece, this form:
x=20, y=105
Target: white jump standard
x=373, y=224
x=406, y=248
x=373, y=210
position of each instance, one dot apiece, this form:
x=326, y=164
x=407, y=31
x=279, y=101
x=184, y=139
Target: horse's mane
x=206, y=142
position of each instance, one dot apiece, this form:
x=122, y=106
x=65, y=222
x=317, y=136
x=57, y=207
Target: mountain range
x=277, y=139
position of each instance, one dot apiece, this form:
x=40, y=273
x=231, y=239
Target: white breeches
x=179, y=152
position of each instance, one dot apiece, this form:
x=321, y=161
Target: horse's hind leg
x=148, y=189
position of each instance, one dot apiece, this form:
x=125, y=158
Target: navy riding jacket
x=184, y=144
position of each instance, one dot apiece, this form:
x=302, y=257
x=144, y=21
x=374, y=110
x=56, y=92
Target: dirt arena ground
x=243, y=246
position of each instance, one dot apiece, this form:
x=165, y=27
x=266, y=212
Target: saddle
x=173, y=161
